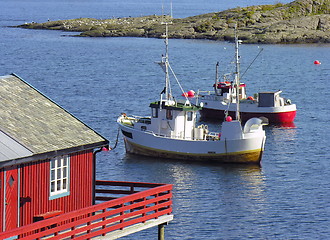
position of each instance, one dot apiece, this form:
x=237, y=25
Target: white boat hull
x=247, y=150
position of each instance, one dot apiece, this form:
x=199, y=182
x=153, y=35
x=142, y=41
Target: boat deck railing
x=130, y=120
x=206, y=92
x=211, y=136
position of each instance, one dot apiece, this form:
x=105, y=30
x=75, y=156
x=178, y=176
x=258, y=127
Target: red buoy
x=106, y=149
x=191, y=93
x=229, y=119
x=317, y=62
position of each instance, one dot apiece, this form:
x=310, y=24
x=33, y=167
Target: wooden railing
x=137, y=203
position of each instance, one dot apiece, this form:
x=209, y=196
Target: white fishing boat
x=171, y=131
x=222, y=101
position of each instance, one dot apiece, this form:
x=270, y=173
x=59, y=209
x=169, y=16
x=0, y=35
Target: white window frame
x=59, y=183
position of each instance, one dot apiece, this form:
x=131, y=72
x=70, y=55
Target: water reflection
x=222, y=196
x=283, y=135
x=204, y=183
x=290, y=125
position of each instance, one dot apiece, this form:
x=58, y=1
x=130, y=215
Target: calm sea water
x=98, y=78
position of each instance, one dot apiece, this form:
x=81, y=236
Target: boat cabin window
x=189, y=116
x=169, y=114
x=154, y=112
x=224, y=90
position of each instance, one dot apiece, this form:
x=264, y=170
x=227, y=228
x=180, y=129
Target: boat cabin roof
x=178, y=106
x=271, y=92
x=227, y=85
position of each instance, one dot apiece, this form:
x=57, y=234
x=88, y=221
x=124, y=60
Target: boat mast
x=167, y=89
x=237, y=74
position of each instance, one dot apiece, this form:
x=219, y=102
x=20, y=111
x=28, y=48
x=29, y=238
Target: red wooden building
x=47, y=176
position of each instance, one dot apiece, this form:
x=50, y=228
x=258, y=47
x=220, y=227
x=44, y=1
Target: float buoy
x=317, y=62
x=191, y=93
x=229, y=119
x=106, y=149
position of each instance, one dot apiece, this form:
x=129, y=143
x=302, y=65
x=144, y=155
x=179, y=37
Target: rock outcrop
x=301, y=21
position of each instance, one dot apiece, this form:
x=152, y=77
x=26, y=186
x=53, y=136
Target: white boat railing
x=211, y=96
x=205, y=93
x=129, y=121
x=213, y=136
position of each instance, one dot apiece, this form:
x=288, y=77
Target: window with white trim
x=59, y=176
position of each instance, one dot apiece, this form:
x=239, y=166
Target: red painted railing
x=138, y=203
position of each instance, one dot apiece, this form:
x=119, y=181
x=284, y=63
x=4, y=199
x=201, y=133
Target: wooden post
x=161, y=232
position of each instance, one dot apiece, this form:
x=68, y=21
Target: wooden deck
x=140, y=206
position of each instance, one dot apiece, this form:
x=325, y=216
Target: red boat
x=222, y=101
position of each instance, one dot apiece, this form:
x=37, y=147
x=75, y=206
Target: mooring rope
x=116, y=143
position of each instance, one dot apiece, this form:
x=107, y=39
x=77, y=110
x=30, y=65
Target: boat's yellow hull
x=250, y=157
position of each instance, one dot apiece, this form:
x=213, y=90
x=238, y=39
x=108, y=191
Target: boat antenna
x=216, y=77
x=162, y=7
x=171, y=10
x=237, y=73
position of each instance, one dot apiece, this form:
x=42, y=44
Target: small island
x=301, y=21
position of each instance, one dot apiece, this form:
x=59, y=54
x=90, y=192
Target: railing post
x=132, y=191
x=73, y=228
x=88, y=223
x=156, y=210
x=121, y=214
x=144, y=207
x=103, y=219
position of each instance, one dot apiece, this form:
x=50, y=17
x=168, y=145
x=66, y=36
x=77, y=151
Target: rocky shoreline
x=301, y=21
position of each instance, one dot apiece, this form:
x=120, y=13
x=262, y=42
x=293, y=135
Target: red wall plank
x=1, y=198
x=35, y=187
x=11, y=197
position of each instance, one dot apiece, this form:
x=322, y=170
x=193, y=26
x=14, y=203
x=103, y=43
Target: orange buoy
x=250, y=98
x=317, y=62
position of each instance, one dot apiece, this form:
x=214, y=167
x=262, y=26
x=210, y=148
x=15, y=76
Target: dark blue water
x=97, y=79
